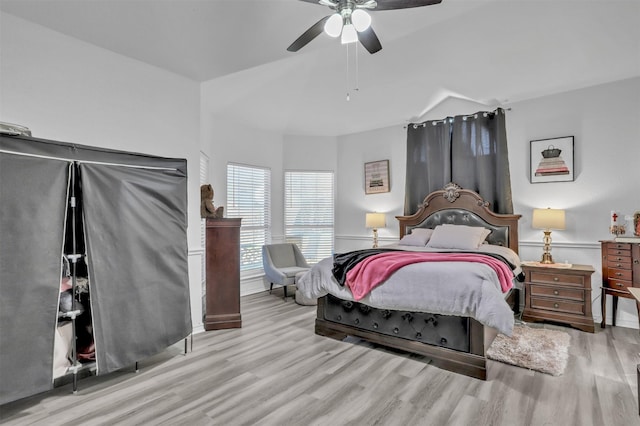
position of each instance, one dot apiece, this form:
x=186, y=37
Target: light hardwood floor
x=276, y=371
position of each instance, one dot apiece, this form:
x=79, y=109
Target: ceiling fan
x=352, y=22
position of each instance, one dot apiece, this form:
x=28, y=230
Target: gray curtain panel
x=33, y=200
x=473, y=154
x=428, y=161
x=480, y=158
x=135, y=227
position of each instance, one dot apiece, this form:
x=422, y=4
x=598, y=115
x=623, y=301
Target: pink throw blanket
x=372, y=271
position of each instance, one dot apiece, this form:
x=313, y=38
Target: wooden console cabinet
x=223, y=274
x=620, y=270
x=559, y=294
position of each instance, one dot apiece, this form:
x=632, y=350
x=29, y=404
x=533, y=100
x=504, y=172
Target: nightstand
x=559, y=294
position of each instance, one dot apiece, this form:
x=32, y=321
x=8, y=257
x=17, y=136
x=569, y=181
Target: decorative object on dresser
x=375, y=221
x=558, y=294
x=552, y=160
x=616, y=228
x=207, y=209
x=620, y=270
x=548, y=219
x=635, y=231
x=223, y=274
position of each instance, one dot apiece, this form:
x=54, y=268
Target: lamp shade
x=375, y=220
x=548, y=219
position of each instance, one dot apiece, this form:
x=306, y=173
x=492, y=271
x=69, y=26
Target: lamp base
x=546, y=258
x=375, y=238
x=546, y=254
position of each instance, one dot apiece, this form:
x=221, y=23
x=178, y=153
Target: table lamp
x=375, y=221
x=547, y=219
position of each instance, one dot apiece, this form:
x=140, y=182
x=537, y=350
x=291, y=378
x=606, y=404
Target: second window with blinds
x=309, y=212
x=249, y=197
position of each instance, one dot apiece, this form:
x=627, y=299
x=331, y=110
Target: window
x=249, y=197
x=308, y=212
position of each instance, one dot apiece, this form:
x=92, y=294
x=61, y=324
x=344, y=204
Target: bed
x=391, y=315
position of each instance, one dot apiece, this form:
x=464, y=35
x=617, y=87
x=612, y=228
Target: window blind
x=309, y=212
x=249, y=198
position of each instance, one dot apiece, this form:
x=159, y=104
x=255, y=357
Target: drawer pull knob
x=555, y=305
x=618, y=265
x=555, y=278
x=636, y=261
x=619, y=285
x=556, y=292
x=619, y=274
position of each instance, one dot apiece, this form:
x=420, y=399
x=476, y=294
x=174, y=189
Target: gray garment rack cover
x=138, y=268
x=33, y=194
x=143, y=237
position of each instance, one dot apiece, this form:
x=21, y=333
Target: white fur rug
x=538, y=349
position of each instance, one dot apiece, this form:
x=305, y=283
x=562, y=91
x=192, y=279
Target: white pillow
x=418, y=237
x=460, y=237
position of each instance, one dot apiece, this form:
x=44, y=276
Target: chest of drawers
x=559, y=294
x=620, y=269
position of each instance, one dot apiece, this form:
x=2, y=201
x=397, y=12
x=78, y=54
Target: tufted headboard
x=457, y=206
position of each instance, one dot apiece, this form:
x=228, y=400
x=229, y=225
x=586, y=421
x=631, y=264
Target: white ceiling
x=439, y=59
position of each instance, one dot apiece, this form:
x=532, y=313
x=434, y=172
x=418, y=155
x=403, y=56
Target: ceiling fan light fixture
x=349, y=34
x=361, y=20
x=333, y=26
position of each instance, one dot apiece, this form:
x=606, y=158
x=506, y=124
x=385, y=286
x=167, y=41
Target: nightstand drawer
x=620, y=274
x=557, y=305
x=559, y=293
x=612, y=253
x=557, y=278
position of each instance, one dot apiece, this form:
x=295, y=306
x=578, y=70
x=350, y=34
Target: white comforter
x=447, y=288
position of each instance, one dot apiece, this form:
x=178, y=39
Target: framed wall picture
x=376, y=177
x=552, y=160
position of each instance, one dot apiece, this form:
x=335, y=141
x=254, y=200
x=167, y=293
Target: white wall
x=353, y=151
x=225, y=142
x=605, y=121
x=67, y=90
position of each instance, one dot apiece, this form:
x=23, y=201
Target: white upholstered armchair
x=282, y=262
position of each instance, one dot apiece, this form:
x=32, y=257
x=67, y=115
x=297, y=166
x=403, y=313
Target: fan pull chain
x=347, y=76
x=357, y=84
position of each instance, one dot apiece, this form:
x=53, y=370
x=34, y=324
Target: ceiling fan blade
x=330, y=3
x=369, y=40
x=308, y=35
x=404, y=4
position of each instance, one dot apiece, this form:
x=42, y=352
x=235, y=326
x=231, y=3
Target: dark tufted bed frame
x=453, y=343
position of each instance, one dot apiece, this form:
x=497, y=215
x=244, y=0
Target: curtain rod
x=451, y=119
